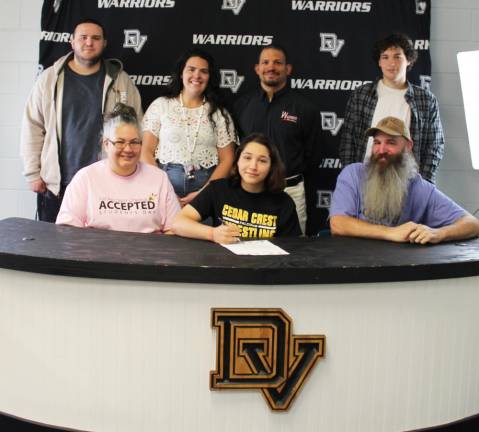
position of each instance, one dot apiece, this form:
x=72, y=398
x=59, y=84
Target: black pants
x=48, y=206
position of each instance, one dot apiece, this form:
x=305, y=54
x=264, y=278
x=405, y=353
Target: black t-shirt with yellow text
x=257, y=215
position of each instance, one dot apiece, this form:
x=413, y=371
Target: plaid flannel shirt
x=426, y=128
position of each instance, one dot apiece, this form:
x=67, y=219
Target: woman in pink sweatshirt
x=119, y=192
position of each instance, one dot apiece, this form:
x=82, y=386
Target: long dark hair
x=275, y=181
x=212, y=91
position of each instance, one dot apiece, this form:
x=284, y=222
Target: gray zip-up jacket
x=42, y=119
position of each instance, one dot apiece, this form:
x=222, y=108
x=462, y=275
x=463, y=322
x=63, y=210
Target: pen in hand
x=226, y=233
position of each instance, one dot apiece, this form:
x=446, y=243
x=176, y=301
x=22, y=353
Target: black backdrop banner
x=329, y=45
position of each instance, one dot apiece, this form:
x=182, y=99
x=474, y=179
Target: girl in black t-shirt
x=249, y=204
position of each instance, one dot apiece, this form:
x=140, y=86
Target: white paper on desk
x=255, y=247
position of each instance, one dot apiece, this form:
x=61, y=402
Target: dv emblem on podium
x=257, y=350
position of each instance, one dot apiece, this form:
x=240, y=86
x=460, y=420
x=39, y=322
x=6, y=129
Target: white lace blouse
x=175, y=126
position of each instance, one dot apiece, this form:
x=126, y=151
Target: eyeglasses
x=120, y=145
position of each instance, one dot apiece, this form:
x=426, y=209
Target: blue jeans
x=183, y=184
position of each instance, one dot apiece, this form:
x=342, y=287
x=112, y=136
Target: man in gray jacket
x=62, y=121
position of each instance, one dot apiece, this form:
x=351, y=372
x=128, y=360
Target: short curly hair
x=396, y=40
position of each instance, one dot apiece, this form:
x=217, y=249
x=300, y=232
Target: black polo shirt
x=289, y=120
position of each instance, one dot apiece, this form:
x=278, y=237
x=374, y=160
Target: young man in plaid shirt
x=393, y=95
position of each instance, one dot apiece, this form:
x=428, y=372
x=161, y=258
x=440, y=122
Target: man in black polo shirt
x=285, y=116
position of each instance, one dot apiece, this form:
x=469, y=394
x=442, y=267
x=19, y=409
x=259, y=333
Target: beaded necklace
x=191, y=145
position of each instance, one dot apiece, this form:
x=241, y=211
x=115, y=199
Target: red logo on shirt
x=288, y=117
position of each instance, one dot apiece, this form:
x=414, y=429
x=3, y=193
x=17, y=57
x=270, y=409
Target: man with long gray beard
x=387, y=199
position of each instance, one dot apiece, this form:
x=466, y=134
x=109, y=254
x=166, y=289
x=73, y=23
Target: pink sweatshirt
x=98, y=198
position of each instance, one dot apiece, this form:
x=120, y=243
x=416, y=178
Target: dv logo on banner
x=331, y=122
x=421, y=7
x=134, y=39
x=331, y=43
x=230, y=79
x=233, y=5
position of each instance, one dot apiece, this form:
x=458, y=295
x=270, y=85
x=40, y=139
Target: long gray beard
x=385, y=190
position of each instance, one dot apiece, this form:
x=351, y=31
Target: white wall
x=454, y=28
x=19, y=33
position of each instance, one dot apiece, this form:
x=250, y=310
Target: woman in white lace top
x=188, y=132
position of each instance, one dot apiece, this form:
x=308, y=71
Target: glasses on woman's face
x=121, y=144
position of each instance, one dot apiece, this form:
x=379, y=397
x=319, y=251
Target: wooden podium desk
x=110, y=331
